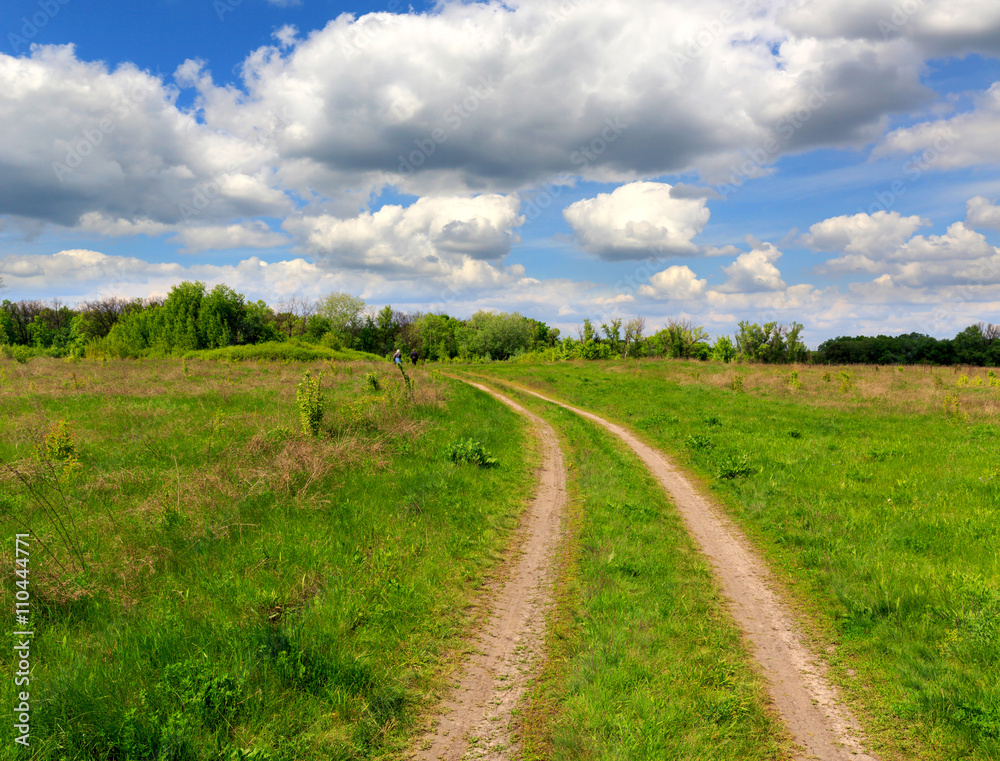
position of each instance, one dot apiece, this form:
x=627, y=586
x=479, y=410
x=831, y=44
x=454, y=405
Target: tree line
x=191, y=317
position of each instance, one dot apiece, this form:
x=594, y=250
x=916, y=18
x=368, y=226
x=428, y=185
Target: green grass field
x=208, y=582
x=874, y=492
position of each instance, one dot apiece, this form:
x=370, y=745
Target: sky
x=827, y=162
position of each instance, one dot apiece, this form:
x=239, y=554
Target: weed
x=826, y=377
x=963, y=380
x=793, y=379
x=991, y=379
x=938, y=381
x=309, y=399
x=795, y=434
x=951, y=409
x=58, y=445
x=373, y=382
x=734, y=466
x=737, y=382
x=472, y=452
x=846, y=381
x=698, y=441
x=407, y=383
x=712, y=420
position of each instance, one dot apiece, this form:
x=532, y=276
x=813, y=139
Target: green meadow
x=873, y=492
x=210, y=580
x=207, y=581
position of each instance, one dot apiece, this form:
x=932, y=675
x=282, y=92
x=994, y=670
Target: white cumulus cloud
x=637, y=220
x=678, y=283
x=754, y=272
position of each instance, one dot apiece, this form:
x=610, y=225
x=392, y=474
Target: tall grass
x=878, y=503
x=232, y=588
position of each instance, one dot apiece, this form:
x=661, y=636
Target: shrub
x=846, y=381
x=473, y=452
x=58, y=444
x=734, y=466
x=309, y=399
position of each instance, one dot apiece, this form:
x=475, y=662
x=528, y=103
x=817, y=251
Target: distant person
x=398, y=357
x=413, y=357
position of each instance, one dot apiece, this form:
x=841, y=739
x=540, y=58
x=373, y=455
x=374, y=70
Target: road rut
x=476, y=719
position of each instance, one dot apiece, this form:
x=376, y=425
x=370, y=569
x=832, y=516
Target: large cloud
x=637, y=220
x=79, y=139
x=468, y=99
x=865, y=234
x=938, y=27
x=455, y=238
x=489, y=96
x=967, y=139
x=876, y=245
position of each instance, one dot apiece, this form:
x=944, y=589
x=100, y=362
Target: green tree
x=680, y=339
x=634, y=346
x=344, y=311
x=724, y=350
x=770, y=342
x=498, y=335
x=972, y=347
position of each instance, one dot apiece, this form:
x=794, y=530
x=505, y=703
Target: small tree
x=633, y=336
x=724, y=350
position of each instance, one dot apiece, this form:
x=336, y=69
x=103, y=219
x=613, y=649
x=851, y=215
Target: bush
x=473, y=452
x=309, y=399
x=735, y=466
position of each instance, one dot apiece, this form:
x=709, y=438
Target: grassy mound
x=275, y=351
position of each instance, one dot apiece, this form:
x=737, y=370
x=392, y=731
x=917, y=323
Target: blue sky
x=827, y=162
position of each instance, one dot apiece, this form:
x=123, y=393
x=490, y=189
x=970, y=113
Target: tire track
x=806, y=702
x=476, y=719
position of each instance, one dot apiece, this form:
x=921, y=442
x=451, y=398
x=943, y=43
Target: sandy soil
x=475, y=721
x=803, y=698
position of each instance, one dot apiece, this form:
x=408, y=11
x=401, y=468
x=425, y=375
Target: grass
x=643, y=661
x=272, y=351
x=874, y=492
x=208, y=582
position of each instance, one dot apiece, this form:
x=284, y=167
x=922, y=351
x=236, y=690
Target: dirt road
x=804, y=699
x=476, y=720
